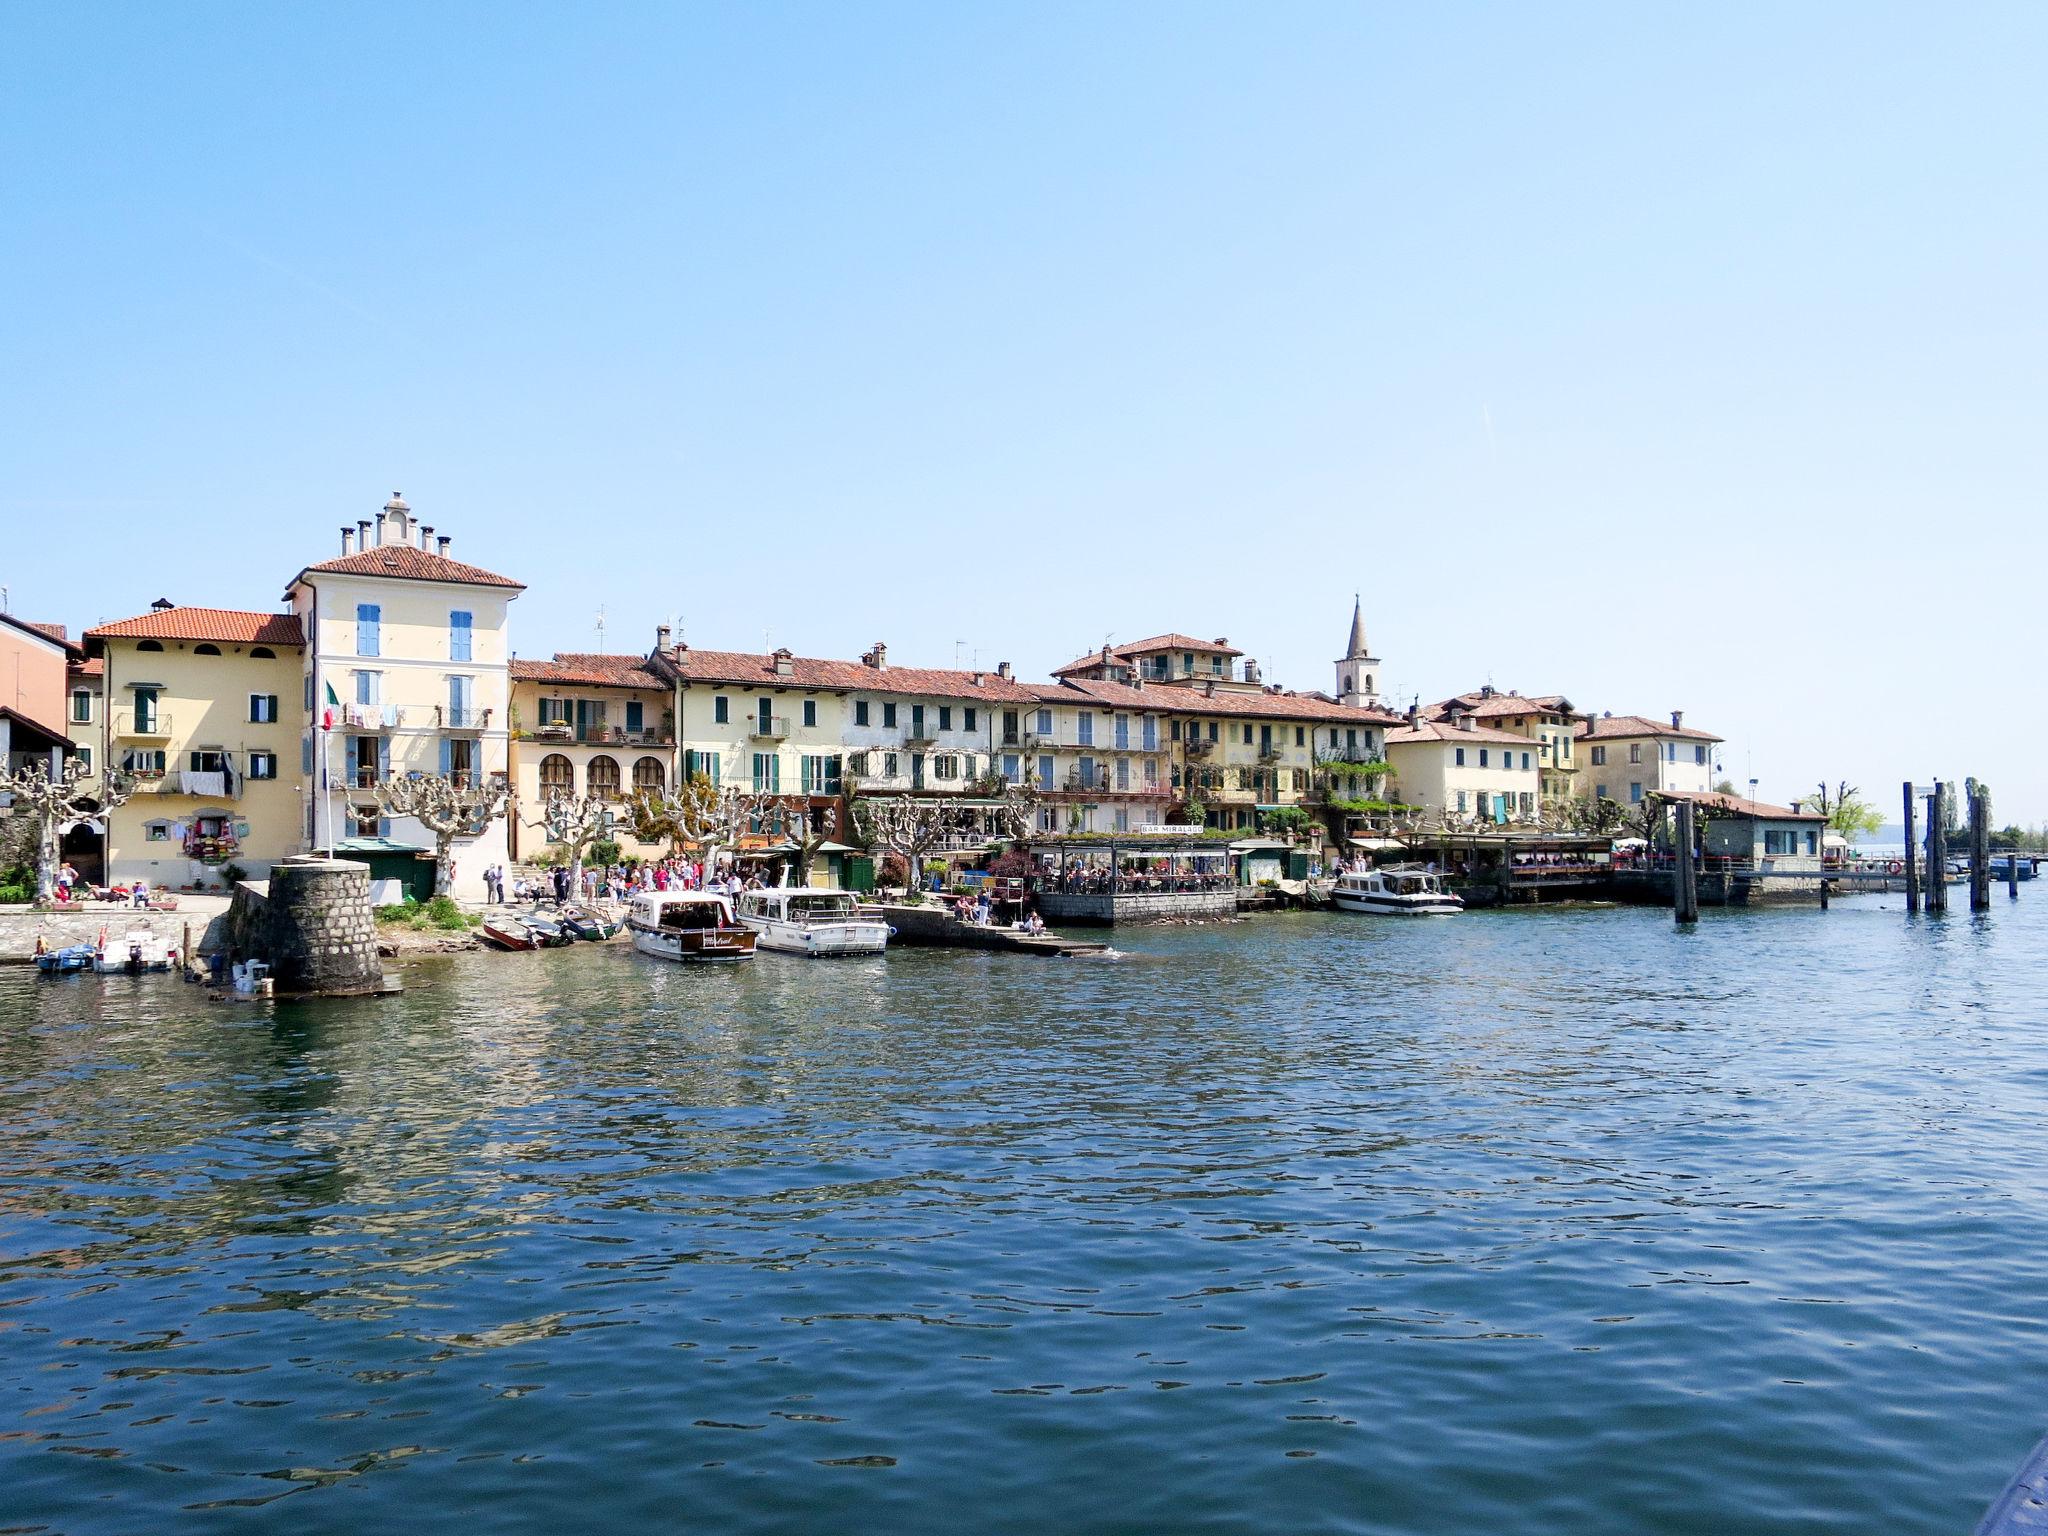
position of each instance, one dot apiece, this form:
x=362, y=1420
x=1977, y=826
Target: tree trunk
x=46, y=861
x=444, y=866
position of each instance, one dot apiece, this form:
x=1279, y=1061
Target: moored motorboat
x=548, y=932
x=139, y=949
x=803, y=920
x=1394, y=893
x=68, y=961
x=688, y=926
x=508, y=933
x=591, y=926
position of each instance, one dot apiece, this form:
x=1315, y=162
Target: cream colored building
x=588, y=724
x=1461, y=769
x=1548, y=720
x=200, y=706
x=1624, y=758
x=1098, y=752
x=407, y=670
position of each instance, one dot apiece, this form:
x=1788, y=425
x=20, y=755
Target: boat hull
x=819, y=940
x=506, y=936
x=695, y=946
x=1397, y=906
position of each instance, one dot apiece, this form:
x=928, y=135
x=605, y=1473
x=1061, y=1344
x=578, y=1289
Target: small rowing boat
x=508, y=933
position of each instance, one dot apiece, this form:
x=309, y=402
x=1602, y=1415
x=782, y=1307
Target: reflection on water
x=1558, y=1221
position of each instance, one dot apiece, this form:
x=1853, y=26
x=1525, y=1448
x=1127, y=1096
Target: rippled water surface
x=1545, y=1222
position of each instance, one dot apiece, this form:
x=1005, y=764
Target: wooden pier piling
x=2012, y=872
x=1910, y=865
x=1937, y=848
x=1980, y=848
x=1685, y=880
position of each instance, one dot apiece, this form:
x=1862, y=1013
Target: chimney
x=878, y=657
x=785, y=664
x=426, y=538
x=1251, y=671
x=1677, y=718
x=348, y=538
x=1464, y=722
x=661, y=631
x=1486, y=690
x=1003, y=670
x=442, y=546
x=363, y=533
x=162, y=605
x=1414, y=717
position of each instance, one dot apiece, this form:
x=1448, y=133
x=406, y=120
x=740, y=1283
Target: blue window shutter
x=348, y=758
x=383, y=757
x=383, y=826
x=446, y=747
x=459, y=629
x=368, y=626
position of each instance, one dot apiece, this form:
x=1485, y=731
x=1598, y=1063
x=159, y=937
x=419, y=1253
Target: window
x=263, y=710
x=262, y=765
x=1780, y=842
x=601, y=777
x=207, y=760
x=156, y=831
x=1635, y=794
x=888, y=765
x=1599, y=757
x=369, y=629
x=1460, y=751
x=205, y=650
x=1123, y=773
x=1461, y=802
x=81, y=706
x=1085, y=732
x=366, y=687
x=707, y=765
x=1123, y=733
x=1085, y=769
x=968, y=720
x=860, y=711
x=1151, y=734
x=945, y=766
x=1013, y=769
x=1247, y=733
x=1635, y=751
x=459, y=630
x=557, y=772
x=810, y=712
x=1482, y=757
x=1599, y=791
x=1525, y=762
x=945, y=717
x=309, y=693
x=1300, y=737
x=917, y=720
x=721, y=709
x=145, y=710
x=1043, y=722
x=149, y=645
x=648, y=776
x=84, y=756
x=888, y=717
x=262, y=653
x=1044, y=772
x=1699, y=754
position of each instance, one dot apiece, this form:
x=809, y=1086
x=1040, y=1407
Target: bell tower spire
x=1358, y=672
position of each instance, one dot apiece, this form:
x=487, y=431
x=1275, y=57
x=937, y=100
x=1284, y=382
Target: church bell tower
x=1358, y=674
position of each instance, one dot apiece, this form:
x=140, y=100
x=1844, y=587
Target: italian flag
x=333, y=703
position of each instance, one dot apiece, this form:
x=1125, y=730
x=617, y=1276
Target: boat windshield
x=692, y=914
x=822, y=905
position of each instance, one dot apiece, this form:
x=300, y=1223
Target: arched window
x=1368, y=682
x=602, y=776
x=648, y=775
x=262, y=653
x=205, y=650
x=149, y=645
x=1347, y=682
x=557, y=772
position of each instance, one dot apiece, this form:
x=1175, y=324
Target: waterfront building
x=1358, y=670
x=1463, y=770
x=191, y=704
x=588, y=724
x=832, y=730
x=1095, y=751
x=1752, y=836
x=33, y=658
x=1625, y=757
x=406, y=670
x=1547, y=719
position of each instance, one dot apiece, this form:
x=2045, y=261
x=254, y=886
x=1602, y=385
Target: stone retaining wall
x=1104, y=909
x=63, y=927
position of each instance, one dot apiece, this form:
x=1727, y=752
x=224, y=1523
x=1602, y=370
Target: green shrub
x=606, y=852
x=399, y=912
x=442, y=912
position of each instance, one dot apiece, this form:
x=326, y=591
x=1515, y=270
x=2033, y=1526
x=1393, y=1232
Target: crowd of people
x=621, y=882
x=1097, y=880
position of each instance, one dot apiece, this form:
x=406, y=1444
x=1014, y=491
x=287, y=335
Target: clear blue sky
x=1648, y=355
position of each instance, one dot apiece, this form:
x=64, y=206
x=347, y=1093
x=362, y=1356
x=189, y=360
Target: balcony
x=1199, y=746
x=136, y=725
x=449, y=718
x=369, y=719
x=769, y=728
x=917, y=740
x=1271, y=754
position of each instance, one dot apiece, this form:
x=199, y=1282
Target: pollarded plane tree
x=42, y=806
x=450, y=808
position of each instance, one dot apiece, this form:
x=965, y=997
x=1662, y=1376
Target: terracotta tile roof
x=48, y=737
x=226, y=626
x=747, y=670
x=404, y=562
x=1092, y=659
x=588, y=669
x=1497, y=705
x=1265, y=705
x=1436, y=730
x=1080, y=690
x=1610, y=726
x=1735, y=805
x=55, y=633
x=1173, y=642
x=91, y=666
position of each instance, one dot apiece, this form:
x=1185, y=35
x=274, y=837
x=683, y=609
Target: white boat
x=139, y=949
x=687, y=925
x=804, y=920
x=1395, y=892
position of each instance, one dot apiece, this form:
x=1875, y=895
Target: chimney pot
x=661, y=637
x=1677, y=718
x=1003, y=670
x=348, y=538
x=443, y=546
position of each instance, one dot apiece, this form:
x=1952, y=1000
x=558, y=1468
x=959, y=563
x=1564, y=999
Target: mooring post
x=1685, y=888
x=1912, y=868
x=1937, y=848
x=1980, y=849
x=2012, y=872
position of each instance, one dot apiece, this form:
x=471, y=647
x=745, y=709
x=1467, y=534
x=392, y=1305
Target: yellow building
x=1548, y=720
x=591, y=725
x=406, y=670
x=191, y=701
x=1465, y=771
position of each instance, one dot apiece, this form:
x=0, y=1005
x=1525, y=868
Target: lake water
x=1557, y=1221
